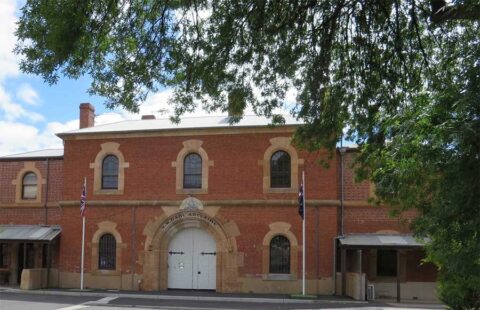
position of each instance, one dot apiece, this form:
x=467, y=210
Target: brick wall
x=353, y=190
x=236, y=173
x=9, y=171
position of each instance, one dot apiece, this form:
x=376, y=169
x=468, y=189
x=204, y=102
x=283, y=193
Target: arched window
x=107, y=252
x=110, y=172
x=29, y=186
x=192, y=171
x=280, y=170
x=279, y=255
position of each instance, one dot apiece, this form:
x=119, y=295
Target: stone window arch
x=280, y=145
x=109, y=150
x=28, y=179
x=102, y=248
x=279, y=231
x=192, y=147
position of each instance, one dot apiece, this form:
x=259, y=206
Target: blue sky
x=31, y=111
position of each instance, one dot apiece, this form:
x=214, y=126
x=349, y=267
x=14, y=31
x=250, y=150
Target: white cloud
x=9, y=109
x=107, y=118
x=18, y=138
x=12, y=111
x=8, y=60
x=27, y=94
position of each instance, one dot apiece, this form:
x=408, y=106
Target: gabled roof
x=40, y=154
x=166, y=124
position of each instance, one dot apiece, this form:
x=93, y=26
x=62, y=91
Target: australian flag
x=83, y=199
x=300, y=201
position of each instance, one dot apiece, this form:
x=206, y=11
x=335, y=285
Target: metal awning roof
x=380, y=241
x=29, y=233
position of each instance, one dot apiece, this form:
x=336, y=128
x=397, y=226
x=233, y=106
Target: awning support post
x=344, y=270
x=398, y=276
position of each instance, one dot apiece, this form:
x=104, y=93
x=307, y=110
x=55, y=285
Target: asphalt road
x=28, y=301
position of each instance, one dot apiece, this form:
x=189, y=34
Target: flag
x=300, y=201
x=83, y=198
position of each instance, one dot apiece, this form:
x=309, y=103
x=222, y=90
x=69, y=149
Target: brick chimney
x=87, y=115
x=148, y=116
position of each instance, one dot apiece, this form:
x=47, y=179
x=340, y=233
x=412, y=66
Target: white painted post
x=303, y=234
x=83, y=252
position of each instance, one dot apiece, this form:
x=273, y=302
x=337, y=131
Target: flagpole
x=303, y=233
x=83, y=239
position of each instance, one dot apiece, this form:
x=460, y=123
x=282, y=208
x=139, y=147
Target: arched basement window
x=279, y=255
x=107, y=252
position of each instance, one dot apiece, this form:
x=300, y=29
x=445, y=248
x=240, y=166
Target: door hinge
x=209, y=253
x=172, y=253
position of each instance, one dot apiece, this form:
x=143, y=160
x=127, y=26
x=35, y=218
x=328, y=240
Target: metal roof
x=29, y=232
x=48, y=153
x=185, y=123
x=380, y=240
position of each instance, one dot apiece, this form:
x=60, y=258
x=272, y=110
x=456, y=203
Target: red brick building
x=199, y=205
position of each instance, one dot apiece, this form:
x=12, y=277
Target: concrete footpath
x=190, y=295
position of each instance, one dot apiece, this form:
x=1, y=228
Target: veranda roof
x=380, y=241
x=29, y=233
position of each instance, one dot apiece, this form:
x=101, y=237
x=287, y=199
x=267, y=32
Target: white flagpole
x=303, y=233
x=83, y=239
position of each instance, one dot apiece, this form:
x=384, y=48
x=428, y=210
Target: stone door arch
x=159, y=232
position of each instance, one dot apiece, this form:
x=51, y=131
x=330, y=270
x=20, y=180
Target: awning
x=380, y=241
x=29, y=233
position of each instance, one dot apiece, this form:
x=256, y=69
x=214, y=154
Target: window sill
x=192, y=191
x=108, y=192
x=30, y=203
x=279, y=277
x=275, y=190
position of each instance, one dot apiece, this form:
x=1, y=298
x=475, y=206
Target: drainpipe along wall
x=46, y=193
x=342, y=151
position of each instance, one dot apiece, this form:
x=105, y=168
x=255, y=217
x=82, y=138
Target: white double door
x=192, y=260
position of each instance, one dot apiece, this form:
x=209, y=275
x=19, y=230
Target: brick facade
x=235, y=198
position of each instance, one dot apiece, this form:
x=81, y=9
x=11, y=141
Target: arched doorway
x=192, y=260
x=161, y=233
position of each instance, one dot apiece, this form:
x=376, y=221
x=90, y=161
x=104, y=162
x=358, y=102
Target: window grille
x=107, y=252
x=279, y=255
x=280, y=170
x=29, y=186
x=110, y=172
x=192, y=171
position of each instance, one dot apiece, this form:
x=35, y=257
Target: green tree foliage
x=402, y=76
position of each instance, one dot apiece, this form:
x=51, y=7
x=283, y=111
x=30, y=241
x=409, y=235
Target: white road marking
x=104, y=300
x=100, y=302
x=76, y=307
